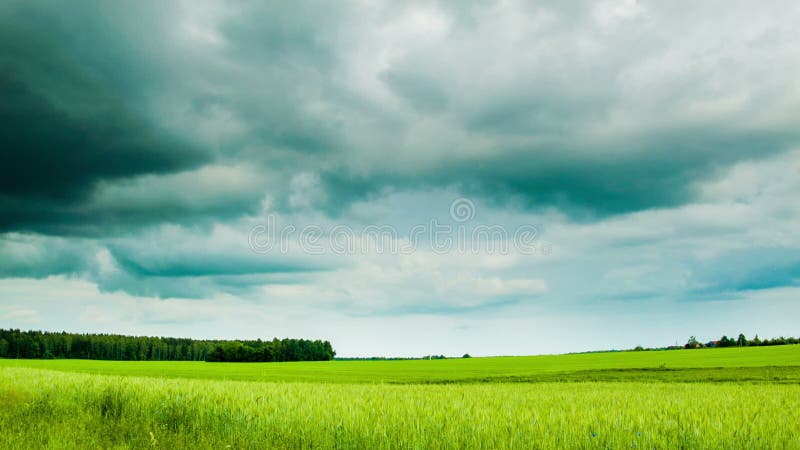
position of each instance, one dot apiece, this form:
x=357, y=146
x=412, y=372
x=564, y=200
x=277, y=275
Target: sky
x=402, y=178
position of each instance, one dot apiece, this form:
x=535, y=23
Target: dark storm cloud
x=48, y=154
x=70, y=117
x=50, y=161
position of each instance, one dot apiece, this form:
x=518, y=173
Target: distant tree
x=741, y=341
x=466, y=355
x=692, y=343
x=638, y=348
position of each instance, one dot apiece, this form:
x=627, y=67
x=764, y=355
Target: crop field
x=714, y=398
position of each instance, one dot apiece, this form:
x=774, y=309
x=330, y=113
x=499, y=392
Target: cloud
x=167, y=262
x=658, y=146
x=749, y=269
x=543, y=106
x=533, y=105
x=70, y=118
x=39, y=257
x=305, y=190
x=49, y=154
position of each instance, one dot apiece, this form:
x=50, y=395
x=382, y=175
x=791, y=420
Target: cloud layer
x=655, y=144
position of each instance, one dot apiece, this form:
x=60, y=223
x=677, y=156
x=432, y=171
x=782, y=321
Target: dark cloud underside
x=71, y=116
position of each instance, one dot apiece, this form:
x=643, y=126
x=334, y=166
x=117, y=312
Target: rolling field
x=755, y=361
x=715, y=398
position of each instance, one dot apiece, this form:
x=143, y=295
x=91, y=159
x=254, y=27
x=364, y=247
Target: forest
x=63, y=345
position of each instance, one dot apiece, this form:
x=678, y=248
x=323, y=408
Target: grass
x=720, y=398
x=58, y=410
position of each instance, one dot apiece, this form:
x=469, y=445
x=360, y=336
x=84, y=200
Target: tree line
x=52, y=345
x=271, y=351
x=740, y=341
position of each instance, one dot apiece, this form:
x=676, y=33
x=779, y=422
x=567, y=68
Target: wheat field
x=42, y=408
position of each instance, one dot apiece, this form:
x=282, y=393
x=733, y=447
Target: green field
x=758, y=361
x=711, y=398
